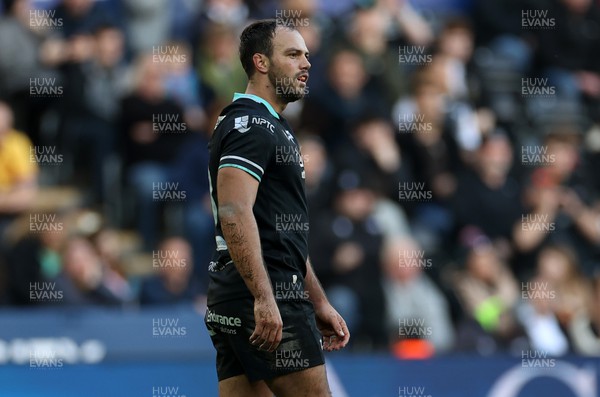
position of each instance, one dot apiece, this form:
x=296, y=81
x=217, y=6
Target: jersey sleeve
x=249, y=151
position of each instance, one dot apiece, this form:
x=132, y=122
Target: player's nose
x=305, y=64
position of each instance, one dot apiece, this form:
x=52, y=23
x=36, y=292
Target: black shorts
x=230, y=325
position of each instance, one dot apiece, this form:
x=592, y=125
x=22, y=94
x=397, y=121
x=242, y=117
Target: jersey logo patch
x=288, y=135
x=241, y=124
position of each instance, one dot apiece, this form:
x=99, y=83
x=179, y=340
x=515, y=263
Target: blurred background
x=451, y=148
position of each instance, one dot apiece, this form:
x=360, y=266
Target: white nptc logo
x=241, y=124
x=581, y=381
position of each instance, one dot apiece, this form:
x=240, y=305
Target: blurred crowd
x=449, y=148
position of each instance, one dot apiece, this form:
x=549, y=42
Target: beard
x=287, y=88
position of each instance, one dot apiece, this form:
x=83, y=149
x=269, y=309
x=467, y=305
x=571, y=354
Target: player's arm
x=316, y=294
x=236, y=196
x=330, y=323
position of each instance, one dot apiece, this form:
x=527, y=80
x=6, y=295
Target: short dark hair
x=257, y=38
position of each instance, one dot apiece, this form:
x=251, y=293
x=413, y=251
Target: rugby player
x=267, y=314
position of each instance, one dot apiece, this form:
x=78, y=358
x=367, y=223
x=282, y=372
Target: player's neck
x=267, y=92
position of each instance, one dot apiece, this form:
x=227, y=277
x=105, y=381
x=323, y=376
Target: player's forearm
x=316, y=294
x=243, y=242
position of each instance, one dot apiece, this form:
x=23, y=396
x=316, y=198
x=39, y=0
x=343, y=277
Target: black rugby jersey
x=251, y=136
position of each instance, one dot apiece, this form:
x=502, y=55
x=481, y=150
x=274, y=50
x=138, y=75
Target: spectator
x=499, y=26
x=82, y=16
x=233, y=13
x=151, y=138
x=84, y=279
x=332, y=109
x=416, y=308
x=584, y=326
x=558, y=203
x=34, y=258
x=218, y=62
x=21, y=59
x=174, y=282
x=95, y=82
x=556, y=295
x=183, y=85
x=367, y=35
x=198, y=221
x=374, y=150
x=487, y=196
x=319, y=173
x=412, y=27
x=568, y=50
x=18, y=172
x=427, y=133
x=488, y=294
x=148, y=24
x=184, y=14
x=345, y=245
x=107, y=244
x=455, y=47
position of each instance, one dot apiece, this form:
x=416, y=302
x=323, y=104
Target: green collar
x=258, y=99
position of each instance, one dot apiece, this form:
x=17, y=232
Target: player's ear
x=261, y=63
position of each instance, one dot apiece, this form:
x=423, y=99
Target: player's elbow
x=232, y=210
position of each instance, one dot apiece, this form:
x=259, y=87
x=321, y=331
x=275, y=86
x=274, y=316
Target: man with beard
x=267, y=315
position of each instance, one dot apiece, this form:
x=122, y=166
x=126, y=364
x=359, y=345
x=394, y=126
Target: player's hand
x=269, y=326
x=333, y=328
